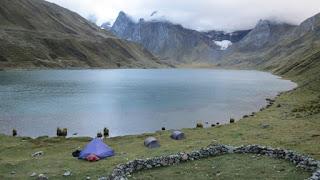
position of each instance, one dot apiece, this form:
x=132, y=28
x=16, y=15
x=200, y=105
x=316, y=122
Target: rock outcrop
x=265, y=34
x=167, y=40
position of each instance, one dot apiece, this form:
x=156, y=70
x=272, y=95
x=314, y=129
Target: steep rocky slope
x=167, y=40
x=264, y=35
x=36, y=33
x=276, y=47
x=299, y=54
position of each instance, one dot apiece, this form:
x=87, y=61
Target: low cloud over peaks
x=225, y=15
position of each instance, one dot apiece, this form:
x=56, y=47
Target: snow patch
x=224, y=44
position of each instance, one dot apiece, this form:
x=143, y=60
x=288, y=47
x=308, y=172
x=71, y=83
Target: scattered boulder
x=264, y=126
x=103, y=178
x=99, y=135
x=199, y=125
x=62, y=132
x=37, y=154
x=67, y=173
x=270, y=100
x=42, y=177
x=232, y=120
x=14, y=132
x=33, y=174
x=105, y=132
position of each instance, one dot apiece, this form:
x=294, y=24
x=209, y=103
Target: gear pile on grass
x=305, y=162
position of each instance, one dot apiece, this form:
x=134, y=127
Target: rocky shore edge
x=122, y=171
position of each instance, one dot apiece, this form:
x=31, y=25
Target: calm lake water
x=129, y=101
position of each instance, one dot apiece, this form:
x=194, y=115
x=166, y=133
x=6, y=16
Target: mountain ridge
x=37, y=33
x=167, y=40
x=291, y=46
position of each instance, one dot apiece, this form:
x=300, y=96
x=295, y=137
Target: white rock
x=102, y=178
x=67, y=173
x=37, y=154
x=42, y=177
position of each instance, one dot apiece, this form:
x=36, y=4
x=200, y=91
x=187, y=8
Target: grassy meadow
x=294, y=124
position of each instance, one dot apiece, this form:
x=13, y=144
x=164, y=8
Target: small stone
x=185, y=157
x=264, y=126
x=88, y=178
x=12, y=172
x=33, y=174
x=37, y=154
x=67, y=173
x=280, y=170
x=42, y=177
x=102, y=178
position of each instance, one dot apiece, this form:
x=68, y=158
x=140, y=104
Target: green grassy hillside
x=36, y=33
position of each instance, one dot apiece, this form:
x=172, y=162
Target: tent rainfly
x=151, y=142
x=177, y=135
x=97, y=148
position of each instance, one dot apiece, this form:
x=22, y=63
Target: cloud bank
x=227, y=15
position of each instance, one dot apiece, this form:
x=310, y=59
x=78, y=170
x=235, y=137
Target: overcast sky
x=225, y=15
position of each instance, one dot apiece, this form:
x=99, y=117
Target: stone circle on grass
x=305, y=162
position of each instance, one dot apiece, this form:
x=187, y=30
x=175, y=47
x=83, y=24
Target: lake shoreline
x=247, y=102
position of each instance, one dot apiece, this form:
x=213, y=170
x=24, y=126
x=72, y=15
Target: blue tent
x=98, y=148
x=151, y=142
x=177, y=135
